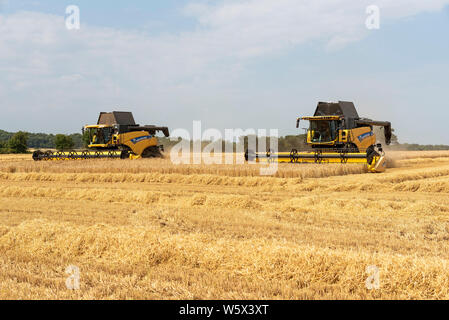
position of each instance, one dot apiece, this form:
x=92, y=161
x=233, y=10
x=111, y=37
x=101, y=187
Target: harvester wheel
x=36, y=155
x=370, y=154
x=152, y=152
x=124, y=154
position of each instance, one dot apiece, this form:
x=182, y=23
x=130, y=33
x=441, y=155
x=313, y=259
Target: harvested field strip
x=132, y=256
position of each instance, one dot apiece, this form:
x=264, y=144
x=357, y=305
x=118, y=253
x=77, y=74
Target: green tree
x=63, y=142
x=5, y=136
x=77, y=140
x=18, y=142
x=394, y=138
x=3, y=147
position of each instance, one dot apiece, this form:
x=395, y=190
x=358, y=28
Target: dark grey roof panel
x=342, y=108
x=116, y=117
x=124, y=118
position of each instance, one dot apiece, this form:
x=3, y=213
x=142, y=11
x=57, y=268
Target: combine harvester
x=116, y=135
x=336, y=135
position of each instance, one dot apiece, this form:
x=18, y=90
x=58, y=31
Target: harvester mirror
x=297, y=122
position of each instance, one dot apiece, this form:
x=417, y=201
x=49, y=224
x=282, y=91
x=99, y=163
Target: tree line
x=21, y=141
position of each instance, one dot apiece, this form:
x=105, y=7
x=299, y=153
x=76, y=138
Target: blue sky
x=151, y=16
x=231, y=64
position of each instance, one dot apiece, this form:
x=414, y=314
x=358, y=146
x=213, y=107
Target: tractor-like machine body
x=116, y=135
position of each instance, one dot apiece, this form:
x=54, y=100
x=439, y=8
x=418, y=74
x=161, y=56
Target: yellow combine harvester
x=116, y=135
x=336, y=135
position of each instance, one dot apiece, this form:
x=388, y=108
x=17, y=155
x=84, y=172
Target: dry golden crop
x=148, y=229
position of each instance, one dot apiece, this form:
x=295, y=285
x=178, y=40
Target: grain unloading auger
x=116, y=135
x=336, y=135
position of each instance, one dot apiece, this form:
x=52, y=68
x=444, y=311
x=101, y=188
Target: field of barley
x=149, y=229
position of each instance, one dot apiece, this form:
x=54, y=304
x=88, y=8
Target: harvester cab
x=337, y=134
x=100, y=136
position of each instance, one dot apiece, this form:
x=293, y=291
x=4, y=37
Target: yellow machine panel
x=140, y=142
x=362, y=137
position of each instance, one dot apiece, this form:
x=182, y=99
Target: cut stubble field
x=148, y=229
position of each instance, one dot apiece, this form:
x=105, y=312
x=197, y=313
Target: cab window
x=323, y=130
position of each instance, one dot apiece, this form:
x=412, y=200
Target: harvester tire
x=152, y=152
x=124, y=154
x=36, y=155
x=370, y=154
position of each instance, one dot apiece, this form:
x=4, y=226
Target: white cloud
x=44, y=66
x=255, y=27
